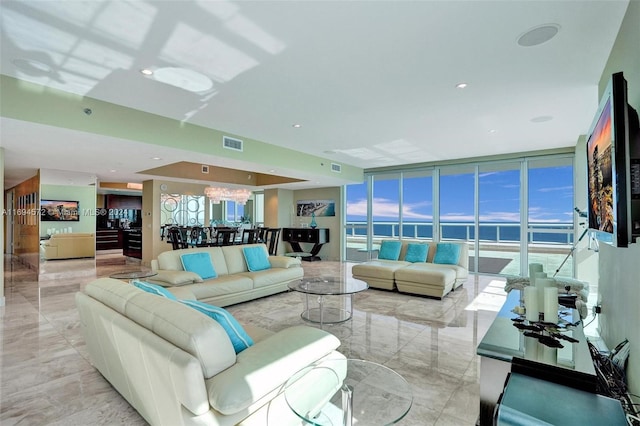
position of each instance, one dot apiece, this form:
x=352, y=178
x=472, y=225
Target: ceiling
x=371, y=83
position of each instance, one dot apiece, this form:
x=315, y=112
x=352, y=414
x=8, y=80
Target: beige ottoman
x=378, y=273
x=428, y=279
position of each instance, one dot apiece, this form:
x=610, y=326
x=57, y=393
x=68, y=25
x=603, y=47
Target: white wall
x=619, y=269
x=619, y=294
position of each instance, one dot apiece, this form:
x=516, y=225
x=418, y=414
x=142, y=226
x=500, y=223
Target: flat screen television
x=59, y=211
x=611, y=142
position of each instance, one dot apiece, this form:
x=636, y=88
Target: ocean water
x=464, y=231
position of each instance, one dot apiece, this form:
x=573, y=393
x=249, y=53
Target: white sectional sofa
x=177, y=366
x=234, y=282
x=423, y=277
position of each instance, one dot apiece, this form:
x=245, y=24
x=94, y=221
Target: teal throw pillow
x=239, y=338
x=256, y=258
x=154, y=289
x=200, y=263
x=390, y=250
x=447, y=254
x=416, y=253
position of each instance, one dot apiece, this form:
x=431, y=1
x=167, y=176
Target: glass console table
x=503, y=342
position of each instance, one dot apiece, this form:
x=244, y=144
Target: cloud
x=556, y=188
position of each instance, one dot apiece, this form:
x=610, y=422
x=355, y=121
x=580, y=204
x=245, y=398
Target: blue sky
x=550, y=197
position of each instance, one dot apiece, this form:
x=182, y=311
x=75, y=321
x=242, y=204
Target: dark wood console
x=315, y=236
x=132, y=243
x=108, y=239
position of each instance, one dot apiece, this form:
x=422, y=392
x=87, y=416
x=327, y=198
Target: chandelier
x=217, y=194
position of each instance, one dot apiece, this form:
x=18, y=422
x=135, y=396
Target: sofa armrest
x=174, y=278
x=266, y=366
x=284, y=262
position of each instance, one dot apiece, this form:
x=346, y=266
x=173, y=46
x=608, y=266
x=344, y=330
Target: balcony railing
x=497, y=232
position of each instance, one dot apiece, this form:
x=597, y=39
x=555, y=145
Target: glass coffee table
x=348, y=392
x=131, y=276
x=328, y=286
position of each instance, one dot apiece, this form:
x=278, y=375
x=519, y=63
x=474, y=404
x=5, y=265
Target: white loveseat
x=424, y=278
x=177, y=366
x=234, y=282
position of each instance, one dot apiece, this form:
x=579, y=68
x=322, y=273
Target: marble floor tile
x=46, y=377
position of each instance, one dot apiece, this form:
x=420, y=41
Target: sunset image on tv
x=600, y=175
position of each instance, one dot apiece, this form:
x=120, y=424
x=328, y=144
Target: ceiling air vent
x=335, y=167
x=232, y=143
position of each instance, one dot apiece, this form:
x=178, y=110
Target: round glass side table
x=327, y=286
x=348, y=392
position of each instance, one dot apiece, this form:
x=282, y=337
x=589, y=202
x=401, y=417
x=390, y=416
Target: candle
x=551, y=304
x=533, y=269
x=531, y=306
x=531, y=346
x=549, y=355
x=541, y=282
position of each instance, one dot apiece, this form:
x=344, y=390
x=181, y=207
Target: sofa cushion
x=228, y=284
x=383, y=269
x=267, y=365
x=239, y=338
x=390, y=250
x=447, y=253
x=256, y=258
x=427, y=274
x=154, y=289
x=200, y=263
x=416, y=252
x=175, y=278
x=274, y=276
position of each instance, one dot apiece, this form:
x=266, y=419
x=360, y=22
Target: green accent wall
x=86, y=195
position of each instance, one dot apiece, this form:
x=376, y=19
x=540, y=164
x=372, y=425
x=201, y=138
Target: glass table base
x=326, y=315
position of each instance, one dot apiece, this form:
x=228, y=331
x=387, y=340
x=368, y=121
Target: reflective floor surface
x=46, y=378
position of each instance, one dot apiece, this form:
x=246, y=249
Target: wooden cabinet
x=108, y=239
x=315, y=236
x=132, y=243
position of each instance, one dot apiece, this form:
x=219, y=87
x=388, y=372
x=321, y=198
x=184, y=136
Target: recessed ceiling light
x=538, y=35
x=146, y=71
x=113, y=170
x=492, y=130
x=156, y=158
x=297, y=126
x=541, y=119
x=272, y=171
x=461, y=85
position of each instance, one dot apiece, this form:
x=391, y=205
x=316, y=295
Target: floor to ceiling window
x=457, y=203
x=386, y=205
x=356, y=223
x=551, y=214
x=484, y=204
x=417, y=205
x=498, y=218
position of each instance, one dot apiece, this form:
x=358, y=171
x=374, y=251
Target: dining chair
x=272, y=237
x=176, y=238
